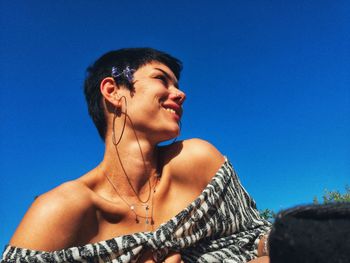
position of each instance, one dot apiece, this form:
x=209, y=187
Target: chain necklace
x=128, y=179
x=116, y=143
x=144, y=204
x=148, y=217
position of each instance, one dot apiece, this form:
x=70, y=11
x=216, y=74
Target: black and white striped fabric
x=221, y=225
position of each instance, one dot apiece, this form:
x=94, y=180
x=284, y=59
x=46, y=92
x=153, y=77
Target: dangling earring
x=116, y=109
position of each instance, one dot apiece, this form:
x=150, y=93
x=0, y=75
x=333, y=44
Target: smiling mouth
x=170, y=110
x=173, y=112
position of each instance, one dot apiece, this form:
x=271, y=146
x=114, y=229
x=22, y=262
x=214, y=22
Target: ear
x=110, y=91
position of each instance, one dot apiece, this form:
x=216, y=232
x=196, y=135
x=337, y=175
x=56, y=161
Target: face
x=155, y=106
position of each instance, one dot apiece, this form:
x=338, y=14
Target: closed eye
x=163, y=78
x=166, y=78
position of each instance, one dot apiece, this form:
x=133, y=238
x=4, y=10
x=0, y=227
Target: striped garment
x=221, y=225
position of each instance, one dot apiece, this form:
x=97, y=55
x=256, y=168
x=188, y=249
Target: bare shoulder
x=195, y=159
x=199, y=150
x=53, y=220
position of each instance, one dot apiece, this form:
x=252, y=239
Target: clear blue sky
x=267, y=83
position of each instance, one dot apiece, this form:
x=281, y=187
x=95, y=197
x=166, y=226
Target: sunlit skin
x=88, y=209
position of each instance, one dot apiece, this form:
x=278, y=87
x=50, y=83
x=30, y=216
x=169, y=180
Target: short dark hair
x=102, y=68
x=311, y=234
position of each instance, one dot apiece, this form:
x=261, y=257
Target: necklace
x=148, y=217
x=144, y=204
x=116, y=143
x=128, y=179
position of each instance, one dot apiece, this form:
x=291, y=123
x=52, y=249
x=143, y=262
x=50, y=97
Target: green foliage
x=328, y=197
x=335, y=196
x=268, y=214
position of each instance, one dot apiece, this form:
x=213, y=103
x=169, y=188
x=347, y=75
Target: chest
x=167, y=199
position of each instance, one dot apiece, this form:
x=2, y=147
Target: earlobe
x=118, y=100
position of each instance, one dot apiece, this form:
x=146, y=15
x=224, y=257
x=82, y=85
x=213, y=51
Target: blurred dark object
x=311, y=233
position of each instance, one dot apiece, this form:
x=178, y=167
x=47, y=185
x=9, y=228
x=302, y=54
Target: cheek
x=147, y=100
x=143, y=109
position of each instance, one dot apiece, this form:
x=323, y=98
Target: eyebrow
x=175, y=82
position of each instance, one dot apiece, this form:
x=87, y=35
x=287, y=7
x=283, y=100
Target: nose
x=178, y=96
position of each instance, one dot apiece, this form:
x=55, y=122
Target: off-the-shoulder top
x=221, y=225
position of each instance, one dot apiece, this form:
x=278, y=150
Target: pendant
x=148, y=219
x=147, y=208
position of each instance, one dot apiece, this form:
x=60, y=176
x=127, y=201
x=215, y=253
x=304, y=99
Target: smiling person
x=144, y=202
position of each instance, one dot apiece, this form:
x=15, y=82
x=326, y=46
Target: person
x=313, y=233
x=143, y=203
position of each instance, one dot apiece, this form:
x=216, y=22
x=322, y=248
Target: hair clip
x=126, y=73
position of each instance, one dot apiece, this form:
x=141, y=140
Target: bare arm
x=53, y=220
x=263, y=256
x=264, y=259
x=262, y=247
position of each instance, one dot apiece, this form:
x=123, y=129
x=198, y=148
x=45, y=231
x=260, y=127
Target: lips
x=173, y=108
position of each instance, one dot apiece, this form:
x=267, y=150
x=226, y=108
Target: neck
x=133, y=161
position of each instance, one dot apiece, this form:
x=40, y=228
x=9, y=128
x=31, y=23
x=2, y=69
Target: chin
x=170, y=135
